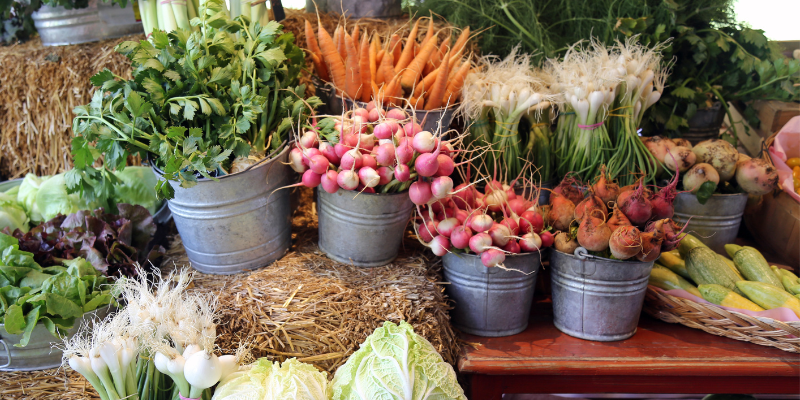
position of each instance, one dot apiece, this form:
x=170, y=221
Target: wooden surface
x=660, y=358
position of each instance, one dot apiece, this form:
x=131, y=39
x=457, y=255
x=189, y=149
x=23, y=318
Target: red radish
x=651, y=246
x=402, y=172
x=420, y=192
x=496, y=199
x=441, y=187
x=384, y=154
x=460, y=237
x=446, y=226
x=480, y=242
x=340, y=149
x=625, y=242
x=309, y=140
x=368, y=177
x=512, y=225
x=368, y=160
x=328, y=181
x=530, y=242
x=404, y=152
x=588, y=204
x=547, y=238
x=561, y=213
x=371, y=105
x=427, y=231
x=492, y=257
x=464, y=196
x=310, y=152
x=531, y=221
x=635, y=205
x=329, y=152
x=411, y=129
x=662, y=201
x=480, y=223
x=593, y=232
x=427, y=164
x=386, y=175
x=618, y=219
x=396, y=113
x=352, y=160
x=367, y=141
x=446, y=165
x=499, y=234
x=311, y=179
x=374, y=115
x=462, y=216
x=512, y=247
x=517, y=206
x=296, y=161
x=423, y=142
x=385, y=130
x=569, y=189
x=319, y=164
x=360, y=112
x=350, y=140
x=606, y=190
x=347, y=179
x=440, y=245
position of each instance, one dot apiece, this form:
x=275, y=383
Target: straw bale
x=40, y=87
x=307, y=306
x=50, y=384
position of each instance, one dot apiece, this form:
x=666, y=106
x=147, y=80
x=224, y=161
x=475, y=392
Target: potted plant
x=211, y=109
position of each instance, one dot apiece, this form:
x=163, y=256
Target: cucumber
x=705, y=267
x=663, y=278
x=768, y=296
x=789, y=280
x=725, y=297
x=687, y=244
x=674, y=264
x=754, y=267
x=731, y=249
x=732, y=266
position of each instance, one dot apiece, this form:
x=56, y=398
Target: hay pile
x=51, y=384
x=310, y=307
x=39, y=87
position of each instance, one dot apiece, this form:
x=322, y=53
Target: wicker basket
x=720, y=322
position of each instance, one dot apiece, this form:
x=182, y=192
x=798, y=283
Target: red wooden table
x=660, y=358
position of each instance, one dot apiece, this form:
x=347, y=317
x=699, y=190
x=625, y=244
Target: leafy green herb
x=705, y=192
x=197, y=100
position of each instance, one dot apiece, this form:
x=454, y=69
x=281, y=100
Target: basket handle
x=8, y=353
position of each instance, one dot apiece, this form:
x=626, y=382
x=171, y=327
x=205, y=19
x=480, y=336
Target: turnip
x=547, y=238
x=368, y=160
x=402, y=173
x=565, y=244
x=396, y=113
x=756, y=176
x=423, y=142
x=353, y=159
x=480, y=242
x=720, y=154
x=492, y=258
x=531, y=221
x=742, y=158
x=561, y=213
x=328, y=181
x=500, y=235
x=625, y=242
x=606, y=190
x=296, y=161
x=319, y=164
x=593, y=232
x=698, y=175
x=589, y=204
x=446, y=165
x=658, y=146
x=411, y=129
x=635, y=205
x=680, y=159
x=311, y=179
x=681, y=142
x=420, y=192
x=460, y=237
x=347, y=179
x=530, y=242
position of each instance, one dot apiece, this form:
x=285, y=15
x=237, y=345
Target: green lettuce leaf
x=292, y=380
x=137, y=186
x=27, y=195
x=12, y=214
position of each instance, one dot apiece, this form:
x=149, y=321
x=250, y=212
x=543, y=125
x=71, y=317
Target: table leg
x=485, y=387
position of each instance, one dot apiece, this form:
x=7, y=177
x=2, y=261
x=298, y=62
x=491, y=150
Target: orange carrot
x=417, y=103
x=428, y=80
x=352, y=81
x=379, y=58
x=429, y=33
x=338, y=38
x=454, y=86
x=316, y=53
x=412, y=72
x=366, y=70
x=386, y=71
x=461, y=42
x=436, y=93
x=395, y=48
x=437, y=57
x=331, y=57
x=355, y=34
x=408, y=52
x=373, y=58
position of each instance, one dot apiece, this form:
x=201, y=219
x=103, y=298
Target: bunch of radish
x=491, y=223
x=715, y=161
x=371, y=150
x=626, y=222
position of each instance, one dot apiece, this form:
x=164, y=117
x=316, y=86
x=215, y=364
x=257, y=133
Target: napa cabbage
x=266, y=380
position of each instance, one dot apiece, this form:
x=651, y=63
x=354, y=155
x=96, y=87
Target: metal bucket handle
x=8, y=353
x=583, y=255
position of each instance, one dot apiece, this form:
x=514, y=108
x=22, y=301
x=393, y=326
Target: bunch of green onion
x=170, y=15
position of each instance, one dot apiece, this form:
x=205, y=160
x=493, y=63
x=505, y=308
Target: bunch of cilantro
x=198, y=99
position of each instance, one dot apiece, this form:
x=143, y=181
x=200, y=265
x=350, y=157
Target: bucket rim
x=717, y=195
x=367, y=194
x=259, y=164
x=583, y=254
x=329, y=86
x=518, y=255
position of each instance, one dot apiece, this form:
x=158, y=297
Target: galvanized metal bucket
x=58, y=26
x=366, y=8
x=705, y=124
x=118, y=21
x=544, y=195
x=39, y=353
x=715, y=223
x=491, y=302
x=324, y=92
x=237, y=223
x=597, y=298
x=435, y=121
x=362, y=229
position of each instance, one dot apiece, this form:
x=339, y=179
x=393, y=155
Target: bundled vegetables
x=54, y=296
x=201, y=103
x=370, y=151
x=394, y=71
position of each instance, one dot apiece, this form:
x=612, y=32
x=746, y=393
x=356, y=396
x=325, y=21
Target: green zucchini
x=789, y=280
x=731, y=249
x=664, y=278
x=705, y=267
x=754, y=267
x=768, y=296
x=732, y=266
x=687, y=244
x=725, y=297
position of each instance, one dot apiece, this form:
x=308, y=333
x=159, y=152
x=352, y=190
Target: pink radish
x=347, y=179
x=547, y=238
x=368, y=160
x=368, y=177
x=340, y=149
x=371, y=105
x=480, y=223
x=296, y=161
x=446, y=226
x=512, y=225
x=396, y=113
x=310, y=152
x=385, y=130
x=402, y=172
x=446, y=165
x=625, y=242
x=500, y=235
x=460, y=237
x=517, y=206
x=441, y=187
x=386, y=175
x=311, y=179
x=635, y=205
x=367, y=141
x=492, y=258
x=512, y=247
x=464, y=198
x=531, y=221
x=411, y=129
x=352, y=160
x=440, y=245
x=427, y=164
x=530, y=242
x=404, y=152
x=461, y=215
x=328, y=181
x=319, y=164
x=427, y=231
x=374, y=115
x=309, y=139
x=384, y=154
x=480, y=242
x=423, y=142
x=420, y=192
x=496, y=199
x=350, y=140
x=329, y=151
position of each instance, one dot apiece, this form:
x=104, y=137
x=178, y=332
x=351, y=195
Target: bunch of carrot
x=426, y=74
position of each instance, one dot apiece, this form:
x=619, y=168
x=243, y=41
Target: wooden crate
x=774, y=114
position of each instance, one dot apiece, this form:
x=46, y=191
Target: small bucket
x=597, y=298
x=324, y=92
x=236, y=223
x=544, y=195
x=428, y=119
x=362, y=229
x=490, y=302
x=39, y=353
x=365, y=8
x=715, y=223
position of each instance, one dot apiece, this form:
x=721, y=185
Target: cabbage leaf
x=266, y=380
x=27, y=195
x=12, y=214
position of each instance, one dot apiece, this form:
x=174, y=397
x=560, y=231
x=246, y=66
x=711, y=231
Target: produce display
x=745, y=281
x=394, y=71
x=54, y=296
x=794, y=164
